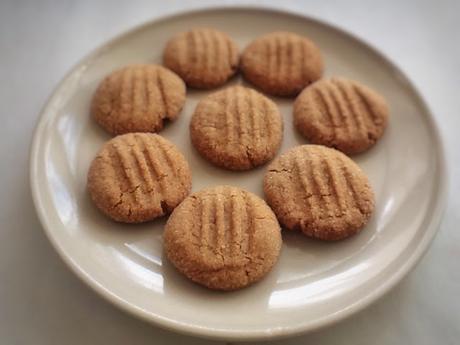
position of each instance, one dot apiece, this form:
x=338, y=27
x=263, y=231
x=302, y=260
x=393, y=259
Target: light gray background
x=42, y=302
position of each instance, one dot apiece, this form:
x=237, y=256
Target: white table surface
x=42, y=302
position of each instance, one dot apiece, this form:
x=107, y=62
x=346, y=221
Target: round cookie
x=203, y=57
x=236, y=128
x=282, y=63
x=341, y=113
x=223, y=237
x=319, y=191
x=138, y=177
x=138, y=98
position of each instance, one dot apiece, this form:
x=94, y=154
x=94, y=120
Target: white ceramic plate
x=314, y=283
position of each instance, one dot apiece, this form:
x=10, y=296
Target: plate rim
x=223, y=334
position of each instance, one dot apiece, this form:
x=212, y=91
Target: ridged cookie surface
x=223, y=237
x=138, y=177
x=203, y=57
x=138, y=98
x=236, y=128
x=282, y=63
x=341, y=113
x=319, y=191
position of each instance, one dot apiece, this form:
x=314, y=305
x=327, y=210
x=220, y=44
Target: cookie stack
x=224, y=237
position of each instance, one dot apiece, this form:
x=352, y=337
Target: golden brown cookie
x=236, y=128
x=341, y=113
x=282, y=63
x=223, y=237
x=138, y=177
x=203, y=57
x=138, y=98
x=319, y=191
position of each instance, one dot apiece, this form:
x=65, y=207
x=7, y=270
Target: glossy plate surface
x=314, y=283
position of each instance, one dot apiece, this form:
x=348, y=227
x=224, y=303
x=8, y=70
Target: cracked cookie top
x=138, y=177
x=236, y=128
x=281, y=63
x=319, y=191
x=203, y=57
x=223, y=237
x=342, y=114
x=138, y=98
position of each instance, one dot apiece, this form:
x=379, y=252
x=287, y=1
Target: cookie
x=203, y=57
x=319, y=191
x=236, y=128
x=223, y=237
x=282, y=63
x=138, y=177
x=341, y=113
x=138, y=98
